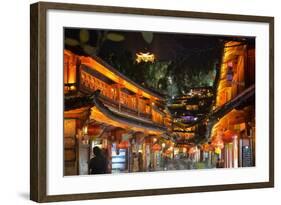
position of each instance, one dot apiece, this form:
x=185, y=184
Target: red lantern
x=168, y=151
x=123, y=145
x=94, y=130
x=117, y=133
x=156, y=147
x=206, y=147
x=228, y=136
x=218, y=143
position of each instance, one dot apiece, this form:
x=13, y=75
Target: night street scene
x=139, y=101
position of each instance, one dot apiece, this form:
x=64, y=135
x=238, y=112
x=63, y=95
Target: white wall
x=14, y=67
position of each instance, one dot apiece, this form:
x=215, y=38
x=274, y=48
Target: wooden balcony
x=85, y=75
x=113, y=96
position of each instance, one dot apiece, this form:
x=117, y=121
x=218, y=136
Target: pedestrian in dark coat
x=98, y=164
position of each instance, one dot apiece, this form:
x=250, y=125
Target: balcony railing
x=113, y=96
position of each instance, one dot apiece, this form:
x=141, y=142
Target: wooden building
x=235, y=131
x=105, y=108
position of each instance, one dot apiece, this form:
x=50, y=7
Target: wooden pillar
x=150, y=107
x=235, y=152
x=119, y=97
x=137, y=102
x=225, y=156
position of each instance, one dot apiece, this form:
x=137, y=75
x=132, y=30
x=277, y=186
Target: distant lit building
x=218, y=123
x=139, y=131
x=188, y=109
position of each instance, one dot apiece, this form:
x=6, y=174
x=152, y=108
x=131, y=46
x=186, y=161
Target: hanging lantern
x=218, y=143
x=117, y=135
x=156, y=147
x=206, y=147
x=94, y=130
x=148, y=140
x=123, y=145
x=228, y=136
x=168, y=152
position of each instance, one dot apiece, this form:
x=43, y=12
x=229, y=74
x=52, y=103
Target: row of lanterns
x=167, y=146
x=217, y=143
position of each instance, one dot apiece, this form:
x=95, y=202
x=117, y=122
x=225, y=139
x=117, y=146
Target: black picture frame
x=38, y=103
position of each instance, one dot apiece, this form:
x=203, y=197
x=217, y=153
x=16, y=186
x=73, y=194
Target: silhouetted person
x=98, y=163
x=219, y=163
x=140, y=162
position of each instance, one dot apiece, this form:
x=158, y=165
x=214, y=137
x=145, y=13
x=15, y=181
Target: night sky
x=186, y=54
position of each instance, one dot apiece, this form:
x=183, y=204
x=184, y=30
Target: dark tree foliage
x=191, y=63
x=196, y=67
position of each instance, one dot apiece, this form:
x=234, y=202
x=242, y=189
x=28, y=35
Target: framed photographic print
x=135, y=102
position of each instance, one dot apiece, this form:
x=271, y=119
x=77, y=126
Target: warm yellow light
x=85, y=130
x=70, y=61
x=145, y=57
x=218, y=150
x=101, y=117
x=72, y=87
x=93, y=64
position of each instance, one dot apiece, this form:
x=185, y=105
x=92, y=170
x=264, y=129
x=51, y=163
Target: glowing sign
x=145, y=57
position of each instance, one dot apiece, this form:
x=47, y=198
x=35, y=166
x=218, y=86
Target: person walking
x=98, y=164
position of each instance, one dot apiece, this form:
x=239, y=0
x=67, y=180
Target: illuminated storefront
x=235, y=131
x=136, y=131
x=106, y=109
